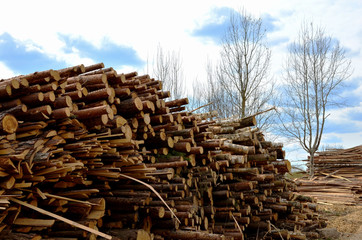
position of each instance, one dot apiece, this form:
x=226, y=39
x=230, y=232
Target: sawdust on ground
x=346, y=219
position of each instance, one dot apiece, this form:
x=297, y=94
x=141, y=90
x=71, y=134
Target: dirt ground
x=346, y=219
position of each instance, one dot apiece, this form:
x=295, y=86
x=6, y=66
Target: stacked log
x=77, y=143
x=338, y=177
x=251, y=187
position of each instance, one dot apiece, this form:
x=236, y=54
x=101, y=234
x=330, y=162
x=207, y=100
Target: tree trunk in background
x=311, y=165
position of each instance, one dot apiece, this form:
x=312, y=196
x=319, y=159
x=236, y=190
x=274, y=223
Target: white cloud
x=143, y=24
x=358, y=91
x=347, y=140
x=124, y=69
x=6, y=72
x=343, y=115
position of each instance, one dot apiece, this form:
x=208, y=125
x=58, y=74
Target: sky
x=40, y=35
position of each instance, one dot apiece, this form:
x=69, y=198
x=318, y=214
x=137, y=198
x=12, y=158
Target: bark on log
x=93, y=112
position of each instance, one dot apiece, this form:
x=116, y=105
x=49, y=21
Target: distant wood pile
x=338, y=177
x=76, y=143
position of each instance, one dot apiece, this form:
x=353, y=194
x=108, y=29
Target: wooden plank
x=60, y=218
x=34, y=222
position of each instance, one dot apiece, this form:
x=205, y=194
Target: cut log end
x=55, y=75
x=15, y=83
x=8, y=90
x=9, y=124
x=138, y=104
x=170, y=142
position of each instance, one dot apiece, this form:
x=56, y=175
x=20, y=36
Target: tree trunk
x=311, y=165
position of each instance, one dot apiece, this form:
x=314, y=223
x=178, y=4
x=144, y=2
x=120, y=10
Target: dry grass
x=346, y=219
x=294, y=175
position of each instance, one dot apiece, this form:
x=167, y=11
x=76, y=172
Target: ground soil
x=346, y=219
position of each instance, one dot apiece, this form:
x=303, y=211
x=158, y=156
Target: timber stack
x=338, y=177
x=87, y=153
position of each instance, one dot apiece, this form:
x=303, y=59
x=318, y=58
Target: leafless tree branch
x=168, y=68
x=242, y=75
x=315, y=68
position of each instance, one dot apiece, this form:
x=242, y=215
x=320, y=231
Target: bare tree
x=197, y=97
x=212, y=94
x=221, y=101
x=168, y=68
x=243, y=71
x=315, y=69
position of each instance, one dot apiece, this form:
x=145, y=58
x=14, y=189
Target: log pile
x=87, y=152
x=338, y=177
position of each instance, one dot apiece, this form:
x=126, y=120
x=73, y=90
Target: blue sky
x=20, y=58
x=108, y=52
x=38, y=35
